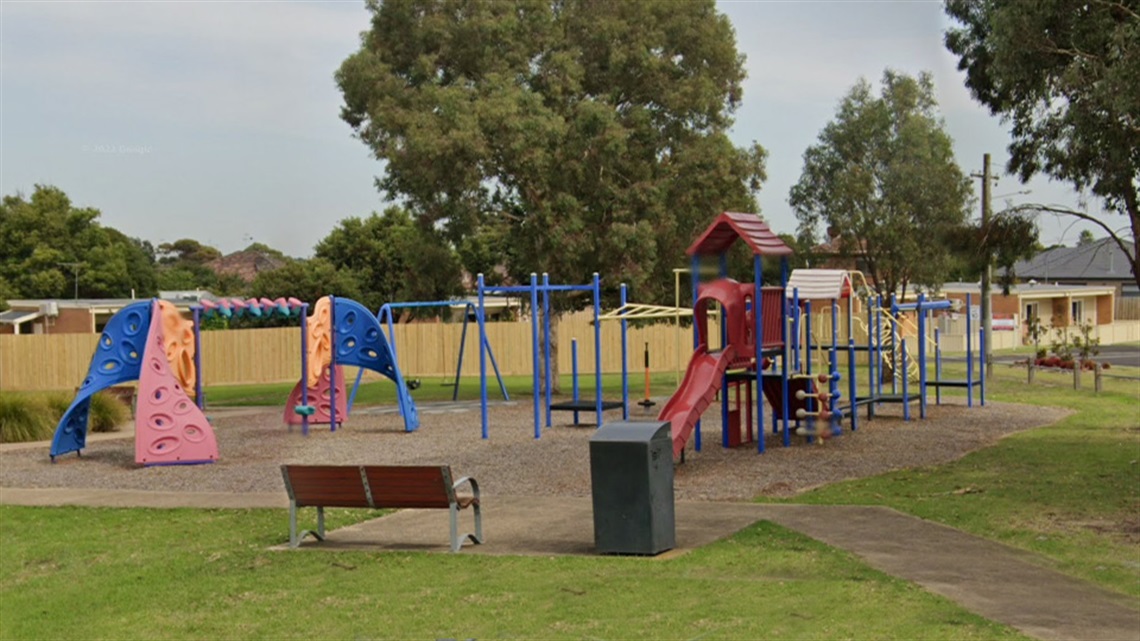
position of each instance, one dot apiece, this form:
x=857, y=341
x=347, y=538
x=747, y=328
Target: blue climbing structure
x=359, y=342
x=117, y=359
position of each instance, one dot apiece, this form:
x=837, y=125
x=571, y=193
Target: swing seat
x=305, y=410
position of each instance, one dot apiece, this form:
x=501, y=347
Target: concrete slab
x=527, y=526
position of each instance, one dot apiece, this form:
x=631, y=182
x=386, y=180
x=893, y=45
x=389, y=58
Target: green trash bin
x=631, y=477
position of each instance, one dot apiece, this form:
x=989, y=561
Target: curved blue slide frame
x=359, y=342
x=117, y=359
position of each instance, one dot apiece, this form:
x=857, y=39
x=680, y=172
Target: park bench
x=378, y=486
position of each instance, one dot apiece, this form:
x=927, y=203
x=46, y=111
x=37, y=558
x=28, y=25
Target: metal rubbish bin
x=631, y=474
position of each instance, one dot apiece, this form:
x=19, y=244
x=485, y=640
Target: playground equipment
x=340, y=332
x=384, y=316
x=147, y=341
x=766, y=335
x=542, y=314
x=751, y=329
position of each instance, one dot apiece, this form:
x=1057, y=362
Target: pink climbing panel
x=169, y=427
x=320, y=399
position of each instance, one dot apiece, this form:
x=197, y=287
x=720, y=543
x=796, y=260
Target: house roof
x=1098, y=260
x=102, y=305
x=729, y=226
x=1033, y=290
x=818, y=284
x=16, y=316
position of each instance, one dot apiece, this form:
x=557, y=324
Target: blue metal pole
x=534, y=320
x=905, y=394
x=896, y=337
x=921, y=312
x=624, y=357
x=695, y=279
x=481, y=320
x=969, y=357
x=785, y=355
x=757, y=320
x=852, y=384
x=879, y=346
x=598, y=346
x=546, y=343
x=304, y=366
x=574, y=373
x=332, y=365
x=199, y=396
x=982, y=364
x=937, y=366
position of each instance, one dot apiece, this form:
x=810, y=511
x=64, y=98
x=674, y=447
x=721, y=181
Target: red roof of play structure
x=729, y=226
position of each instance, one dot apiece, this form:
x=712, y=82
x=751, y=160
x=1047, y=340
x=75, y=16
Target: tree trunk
x=1133, y=208
x=555, y=384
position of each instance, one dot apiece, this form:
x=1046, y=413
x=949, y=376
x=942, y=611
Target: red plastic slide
x=702, y=380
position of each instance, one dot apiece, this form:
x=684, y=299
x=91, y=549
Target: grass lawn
x=1069, y=492
x=206, y=574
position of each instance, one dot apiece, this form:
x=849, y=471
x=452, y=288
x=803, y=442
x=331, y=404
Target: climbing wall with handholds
x=116, y=360
x=320, y=339
x=179, y=347
x=359, y=342
x=320, y=398
x=169, y=427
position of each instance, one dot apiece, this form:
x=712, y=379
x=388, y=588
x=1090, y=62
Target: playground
x=513, y=462
x=769, y=410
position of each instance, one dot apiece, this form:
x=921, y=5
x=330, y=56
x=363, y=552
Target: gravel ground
x=254, y=444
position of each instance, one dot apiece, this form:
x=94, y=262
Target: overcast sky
x=219, y=120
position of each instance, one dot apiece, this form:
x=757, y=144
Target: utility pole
x=74, y=266
x=986, y=312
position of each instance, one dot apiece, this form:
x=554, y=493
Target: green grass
x=201, y=574
x=433, y=390
x=1069, y=492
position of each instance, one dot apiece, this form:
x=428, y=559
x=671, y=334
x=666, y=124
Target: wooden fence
x=1127, y=308
x=272, y=355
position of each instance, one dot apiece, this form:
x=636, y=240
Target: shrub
x=57, y=403
x=107, y=413
x=25, y=418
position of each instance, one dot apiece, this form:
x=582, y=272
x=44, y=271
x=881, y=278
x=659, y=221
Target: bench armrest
x=467, y=479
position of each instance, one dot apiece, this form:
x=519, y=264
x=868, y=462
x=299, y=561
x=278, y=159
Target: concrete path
x=993, y=580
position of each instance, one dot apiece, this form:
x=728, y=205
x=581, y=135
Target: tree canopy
x=883, y=181
x=391, y=258
x=1064, y=75
x=577, y=136
x=307, y=280
x=47, y=240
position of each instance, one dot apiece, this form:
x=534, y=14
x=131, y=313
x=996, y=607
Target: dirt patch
x=513, y=462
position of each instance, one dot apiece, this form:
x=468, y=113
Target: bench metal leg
x=456, y=540
x=295, y=538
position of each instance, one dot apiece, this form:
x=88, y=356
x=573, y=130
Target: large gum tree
x=559, y=136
